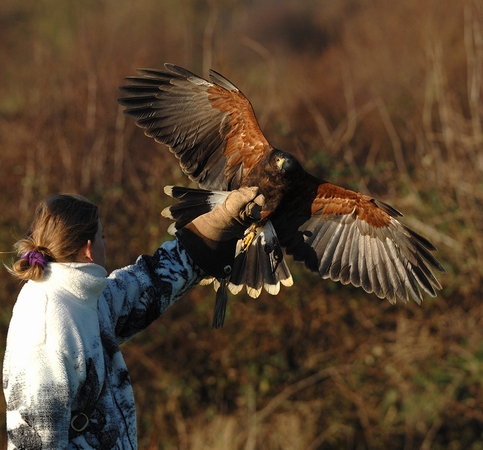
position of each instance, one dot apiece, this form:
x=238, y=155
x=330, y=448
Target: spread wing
x=353, y=238
x=209, y=126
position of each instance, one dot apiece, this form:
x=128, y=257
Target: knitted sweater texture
x=63, y=348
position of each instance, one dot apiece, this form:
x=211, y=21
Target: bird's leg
x=250, y=234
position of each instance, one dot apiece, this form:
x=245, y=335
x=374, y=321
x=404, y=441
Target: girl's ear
x=85, y=253
x=89, y=251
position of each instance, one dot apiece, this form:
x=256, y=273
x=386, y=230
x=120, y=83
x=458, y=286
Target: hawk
x=346, y=236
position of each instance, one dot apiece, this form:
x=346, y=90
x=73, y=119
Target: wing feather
x=336, y=266
x=382, y=273
x=345, y=272
x=355, y=276
x=327, y=249
x=363, y=270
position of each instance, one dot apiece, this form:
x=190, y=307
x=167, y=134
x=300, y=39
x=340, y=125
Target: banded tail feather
x=260, y=266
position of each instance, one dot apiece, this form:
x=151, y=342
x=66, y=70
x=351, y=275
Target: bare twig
x=474, y=57
x=292, y=389
x=394, y=138
x=268, y=106
x=208, y=36
x=436, y=236
x=119, y=147
x=355, y=398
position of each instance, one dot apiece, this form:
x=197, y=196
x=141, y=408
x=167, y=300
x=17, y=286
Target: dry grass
x=379, y=97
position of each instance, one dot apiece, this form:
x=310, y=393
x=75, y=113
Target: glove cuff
x=214, y=257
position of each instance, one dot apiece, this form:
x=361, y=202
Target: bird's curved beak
x=280, y=163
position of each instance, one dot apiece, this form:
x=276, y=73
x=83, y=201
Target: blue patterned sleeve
x=138, y=294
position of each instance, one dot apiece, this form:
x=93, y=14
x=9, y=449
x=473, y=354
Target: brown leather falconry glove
x=211, y=239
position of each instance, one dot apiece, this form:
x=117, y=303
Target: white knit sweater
x=63, y=348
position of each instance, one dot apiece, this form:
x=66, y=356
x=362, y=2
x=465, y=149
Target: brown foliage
x=382, y=97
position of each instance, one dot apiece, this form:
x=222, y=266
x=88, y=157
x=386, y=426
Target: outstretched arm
x=138, y=294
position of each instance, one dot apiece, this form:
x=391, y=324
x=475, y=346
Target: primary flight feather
x=341, y=234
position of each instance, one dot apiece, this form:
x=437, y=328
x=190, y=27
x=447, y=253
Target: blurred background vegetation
x=382, y=97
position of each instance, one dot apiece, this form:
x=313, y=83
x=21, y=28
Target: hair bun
x=36, y=257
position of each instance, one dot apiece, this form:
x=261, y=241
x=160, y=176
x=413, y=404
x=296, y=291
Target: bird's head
x=283, y=161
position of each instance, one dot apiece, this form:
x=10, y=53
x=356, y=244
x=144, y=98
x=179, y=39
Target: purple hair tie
x=34, y=256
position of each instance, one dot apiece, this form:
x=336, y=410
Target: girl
x=65, y=381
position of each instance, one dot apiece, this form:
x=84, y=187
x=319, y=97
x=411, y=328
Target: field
x=381, y=97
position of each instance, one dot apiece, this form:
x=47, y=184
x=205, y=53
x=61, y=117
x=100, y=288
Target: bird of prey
x=346, y=236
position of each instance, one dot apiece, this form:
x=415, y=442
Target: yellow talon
x=250, y=234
